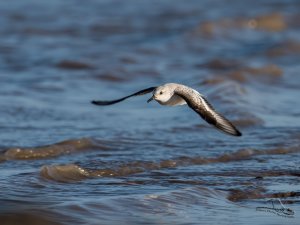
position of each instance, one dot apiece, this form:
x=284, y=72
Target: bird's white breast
x=174, y=101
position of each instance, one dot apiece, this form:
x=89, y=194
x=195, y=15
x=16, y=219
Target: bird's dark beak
x=150, y=99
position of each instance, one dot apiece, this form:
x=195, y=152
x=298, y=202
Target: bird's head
x=161, y=94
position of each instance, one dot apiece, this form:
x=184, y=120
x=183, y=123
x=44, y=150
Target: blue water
x=66, y=161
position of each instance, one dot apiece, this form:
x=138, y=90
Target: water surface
x=66, y=161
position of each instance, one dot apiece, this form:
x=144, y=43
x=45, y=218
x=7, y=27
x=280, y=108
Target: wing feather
x=201, y=106
x=142, y=92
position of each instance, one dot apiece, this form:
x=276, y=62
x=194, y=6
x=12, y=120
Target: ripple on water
x=15, y=218
x=71, y=172
x=54, y=150
x=269, y=72
x=273, y=22
x=53, y=64
x=64, y=173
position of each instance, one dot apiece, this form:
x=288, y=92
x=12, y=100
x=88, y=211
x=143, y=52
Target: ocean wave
x=54, y=150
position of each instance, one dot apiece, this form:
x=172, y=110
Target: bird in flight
x=173, y=94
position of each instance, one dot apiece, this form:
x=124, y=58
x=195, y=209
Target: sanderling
x=172, y=94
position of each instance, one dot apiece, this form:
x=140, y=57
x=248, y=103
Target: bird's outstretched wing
x=142, y=92
x=201, y=106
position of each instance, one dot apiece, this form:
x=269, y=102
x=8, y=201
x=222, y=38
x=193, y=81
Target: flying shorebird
x=172, y=94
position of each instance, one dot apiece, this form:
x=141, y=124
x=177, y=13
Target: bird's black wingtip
x=97, y=102
x=238, y=134
x=103, y=103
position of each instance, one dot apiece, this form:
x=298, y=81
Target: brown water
x=65, y=161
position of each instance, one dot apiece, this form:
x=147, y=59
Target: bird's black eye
x=161, y=93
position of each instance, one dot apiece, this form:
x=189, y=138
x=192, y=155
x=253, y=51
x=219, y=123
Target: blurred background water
x=65, y=161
